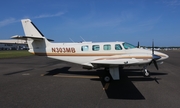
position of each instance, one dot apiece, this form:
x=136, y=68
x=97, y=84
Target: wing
x=115, y=61
x=125, y=59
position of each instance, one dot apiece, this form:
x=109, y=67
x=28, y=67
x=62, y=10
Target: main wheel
x=107, y=79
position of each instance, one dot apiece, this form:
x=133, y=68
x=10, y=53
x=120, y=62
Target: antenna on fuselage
x=71, y=40
x=82, y=39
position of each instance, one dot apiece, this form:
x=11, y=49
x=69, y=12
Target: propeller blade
x=154, y=57
x=153, y=47
x=155, y=64
x=138, y=46
x=150, y=62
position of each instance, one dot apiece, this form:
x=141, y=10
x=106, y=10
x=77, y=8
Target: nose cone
x=162, y=55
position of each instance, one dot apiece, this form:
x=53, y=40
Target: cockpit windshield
x=128, y=46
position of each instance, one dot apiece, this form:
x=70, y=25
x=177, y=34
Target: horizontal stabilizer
x=32, y=37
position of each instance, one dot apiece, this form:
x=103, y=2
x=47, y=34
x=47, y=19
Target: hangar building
x=13, y=45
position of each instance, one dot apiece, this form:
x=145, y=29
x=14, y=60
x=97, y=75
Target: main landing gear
x=107, y=77
x=111, y=73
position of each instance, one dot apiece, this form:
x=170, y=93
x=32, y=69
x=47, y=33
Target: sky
x=96, y=20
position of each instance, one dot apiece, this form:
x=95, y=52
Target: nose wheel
x=146, y=73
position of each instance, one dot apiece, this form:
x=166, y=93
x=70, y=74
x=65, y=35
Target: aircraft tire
x=146, y=73
x=107, y=79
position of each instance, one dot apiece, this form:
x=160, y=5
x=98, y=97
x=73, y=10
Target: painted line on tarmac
x=72, y=76
x=25, y=74
x=42, y=74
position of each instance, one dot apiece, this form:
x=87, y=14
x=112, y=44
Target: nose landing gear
x=146, y=72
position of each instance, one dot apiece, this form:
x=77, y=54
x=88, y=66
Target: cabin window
x=128, y=46
x=118, y=47
x=95, y=47
x=107, y=47
x=85, y=48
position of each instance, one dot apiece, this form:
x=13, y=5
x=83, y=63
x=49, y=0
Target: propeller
x=138, y=46
x=154, y=57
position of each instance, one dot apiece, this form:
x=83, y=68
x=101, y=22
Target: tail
x=37, y=43
x=30, y=29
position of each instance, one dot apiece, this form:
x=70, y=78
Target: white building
x=13, y=44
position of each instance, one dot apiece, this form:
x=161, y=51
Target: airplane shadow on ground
x=122, y=89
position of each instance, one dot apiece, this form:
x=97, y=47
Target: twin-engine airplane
x=109, y=55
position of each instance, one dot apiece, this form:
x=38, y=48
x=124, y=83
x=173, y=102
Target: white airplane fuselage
x=72, y=52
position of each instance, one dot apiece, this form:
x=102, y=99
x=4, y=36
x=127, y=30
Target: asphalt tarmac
x=40, y=82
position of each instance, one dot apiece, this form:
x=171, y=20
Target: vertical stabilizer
x=30, y=29
x=37, y=43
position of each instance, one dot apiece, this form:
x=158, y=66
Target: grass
x=13, y=54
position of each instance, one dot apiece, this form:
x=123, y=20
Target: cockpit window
x=128, y=46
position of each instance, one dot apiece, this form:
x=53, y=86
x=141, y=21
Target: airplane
x=112, y=56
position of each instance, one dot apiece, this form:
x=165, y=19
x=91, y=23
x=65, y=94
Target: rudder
x=30, y=29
